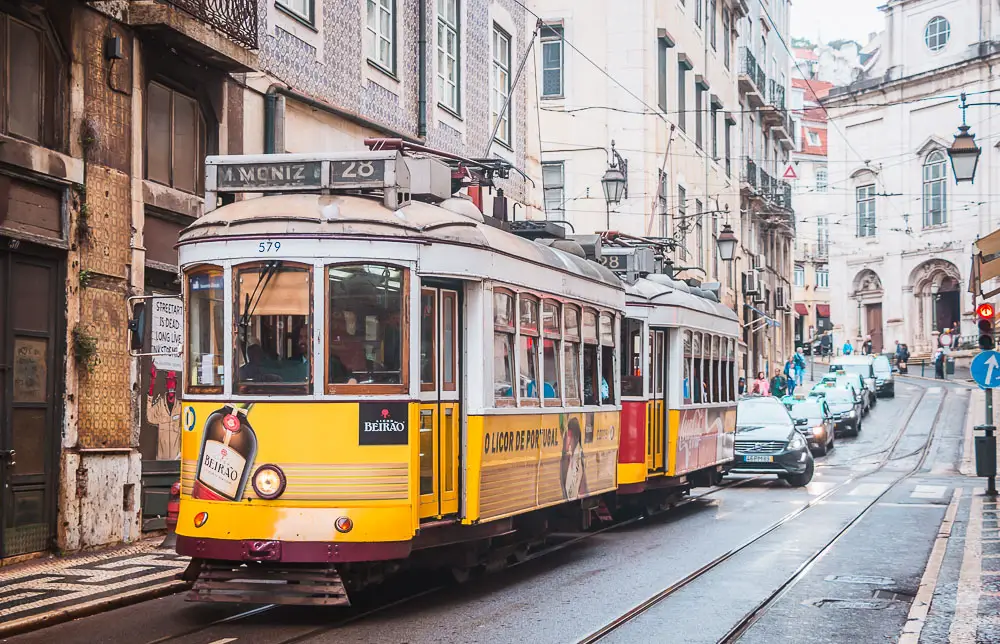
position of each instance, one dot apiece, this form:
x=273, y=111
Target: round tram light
x=344, y=524
x=268, y=482
x=200, y=519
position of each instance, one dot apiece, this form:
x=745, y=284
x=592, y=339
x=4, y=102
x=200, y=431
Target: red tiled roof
x=814, y=89
x=820, y=149
x=804, y=54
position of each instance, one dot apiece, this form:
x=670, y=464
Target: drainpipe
x=422, y=69
x=271, y=110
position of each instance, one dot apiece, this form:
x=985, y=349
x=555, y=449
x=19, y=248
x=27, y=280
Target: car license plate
x=757, y=458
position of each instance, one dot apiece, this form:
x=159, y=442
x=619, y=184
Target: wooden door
x=29, y=311
x=440, y=412
x=874, y=314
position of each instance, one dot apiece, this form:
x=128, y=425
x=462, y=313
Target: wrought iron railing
x=751, y=173
x=776, y=96
x=748, y=64
x=786, y=195
x=761, y=81
x=235, y=18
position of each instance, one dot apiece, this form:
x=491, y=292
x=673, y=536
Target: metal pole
x=812, y=359
x=991, y=481
x=510, y=94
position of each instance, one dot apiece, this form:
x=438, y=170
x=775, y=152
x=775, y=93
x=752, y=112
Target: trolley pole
x=991, y=481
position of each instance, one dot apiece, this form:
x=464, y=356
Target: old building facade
x=904, y=241
x=768, y=222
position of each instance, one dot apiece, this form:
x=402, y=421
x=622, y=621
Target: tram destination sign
x=279, y=174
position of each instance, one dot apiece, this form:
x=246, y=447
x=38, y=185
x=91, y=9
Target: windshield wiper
x=251, y=301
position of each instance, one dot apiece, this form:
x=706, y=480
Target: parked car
x=860, y=365
x=814, y=421
x=885, y=381
x=850, y=382
x=845, y=409
x=767, y=442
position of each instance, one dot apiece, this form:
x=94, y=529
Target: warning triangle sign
x=790, y=172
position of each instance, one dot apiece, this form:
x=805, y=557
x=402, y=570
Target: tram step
x=269, y=585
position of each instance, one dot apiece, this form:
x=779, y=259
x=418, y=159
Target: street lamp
x=615, y=181
x=727, y=243
x=964, y=152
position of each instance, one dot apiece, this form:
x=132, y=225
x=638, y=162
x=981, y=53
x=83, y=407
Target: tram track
x=761, y=608
x=375, y=610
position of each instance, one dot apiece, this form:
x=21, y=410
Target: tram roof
x=658, y=294
x=351, y=216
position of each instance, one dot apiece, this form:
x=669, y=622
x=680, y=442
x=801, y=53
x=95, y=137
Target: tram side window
x=528, y=350
x=607, y=331
x=273, y=327
x=631, y=366
x=205, y=286
x=571, y=354
x=503, y=347
x=716, y=371
x=366, y=326
x=687, y=367
x=552, y=333
x=730, y=369
x=590, y=366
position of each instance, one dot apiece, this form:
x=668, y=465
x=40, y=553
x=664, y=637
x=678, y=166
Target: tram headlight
x=268, y=482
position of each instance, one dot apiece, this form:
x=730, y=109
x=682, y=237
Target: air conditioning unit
x=752, y=283
x=759, y=261
x=759, y=298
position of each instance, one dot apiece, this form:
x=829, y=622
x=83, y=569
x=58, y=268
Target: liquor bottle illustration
x=228, y=450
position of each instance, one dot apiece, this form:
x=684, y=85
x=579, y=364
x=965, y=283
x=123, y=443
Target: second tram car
x=378, y=376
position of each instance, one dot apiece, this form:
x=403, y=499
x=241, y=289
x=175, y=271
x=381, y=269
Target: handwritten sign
x=30, y=369
x=167, y=332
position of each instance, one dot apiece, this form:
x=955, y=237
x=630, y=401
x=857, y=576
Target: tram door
x=439, y=401
x=656, y=413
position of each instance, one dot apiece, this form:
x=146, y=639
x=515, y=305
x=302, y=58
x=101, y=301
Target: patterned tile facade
x=339, y=78
x=105, y=403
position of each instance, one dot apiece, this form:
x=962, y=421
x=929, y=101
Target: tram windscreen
x=273, y=326
x=365, y=325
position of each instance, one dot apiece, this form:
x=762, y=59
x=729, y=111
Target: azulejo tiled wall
x=339, y=78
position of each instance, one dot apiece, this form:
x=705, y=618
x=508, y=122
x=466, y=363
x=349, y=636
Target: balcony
x=773, y=111
x=784, y=132
x=750, y=175
x=751, y=78
x=223, y=33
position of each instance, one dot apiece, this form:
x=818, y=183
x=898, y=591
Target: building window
x=865, y=200
x=32, y=99
x=553, y=182
x=698, y=93
x=501, y=84
x=823, y=230
x=661, y=72
x=697, y=13
x=729, y=160
x=813, y=137
x=713, y=131
x=822, y=276
x=661, y=206
x=680, y=224
x=800, y=275
x=712, y=22
x=937, y=33
x=821, y=179
x=381, y=32
x=699, y=233
x=681, y=97
x=726, y=36
x=175, y=139
x=304, y=9
x=448, y=60
x=552, y=61
x=935, y=192
x=715, y=246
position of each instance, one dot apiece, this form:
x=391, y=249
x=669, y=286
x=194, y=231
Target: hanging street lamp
x=727, y=243
x=615, y=181
x=964, y=152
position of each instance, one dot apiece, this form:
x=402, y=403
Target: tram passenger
x=296, y=368
x=253, y=370
x=347, y=353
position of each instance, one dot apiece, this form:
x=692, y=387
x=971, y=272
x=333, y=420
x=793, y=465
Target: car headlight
x=851, y=414
x=797, y=442
x=818, y=430
x=269, y=482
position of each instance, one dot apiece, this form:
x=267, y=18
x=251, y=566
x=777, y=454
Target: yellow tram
x=378, y=375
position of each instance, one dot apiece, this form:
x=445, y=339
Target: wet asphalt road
x=874, y=527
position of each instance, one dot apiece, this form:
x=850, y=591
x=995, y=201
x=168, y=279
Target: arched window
x=935, y=179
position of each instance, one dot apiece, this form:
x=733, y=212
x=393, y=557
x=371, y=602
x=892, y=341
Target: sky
x=835, y=19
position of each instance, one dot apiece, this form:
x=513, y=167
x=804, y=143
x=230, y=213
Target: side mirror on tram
x=137, y=326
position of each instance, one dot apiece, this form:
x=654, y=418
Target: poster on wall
x=160, y=437
x=166, y=322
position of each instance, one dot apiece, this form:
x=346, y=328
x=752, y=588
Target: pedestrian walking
x=779, y=383
x=790, y=376
x=760, y=386
x=904, y=358
x=741, y=385
x=867, y=347
x=939, y=364
x=848, y=348
x=800, y=365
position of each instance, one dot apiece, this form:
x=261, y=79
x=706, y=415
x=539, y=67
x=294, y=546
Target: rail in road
x=886, y=456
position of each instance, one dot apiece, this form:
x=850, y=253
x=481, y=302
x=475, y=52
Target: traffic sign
x=790, y=172
x=985, y=369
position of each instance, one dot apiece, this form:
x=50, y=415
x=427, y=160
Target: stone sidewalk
x=55, y=589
